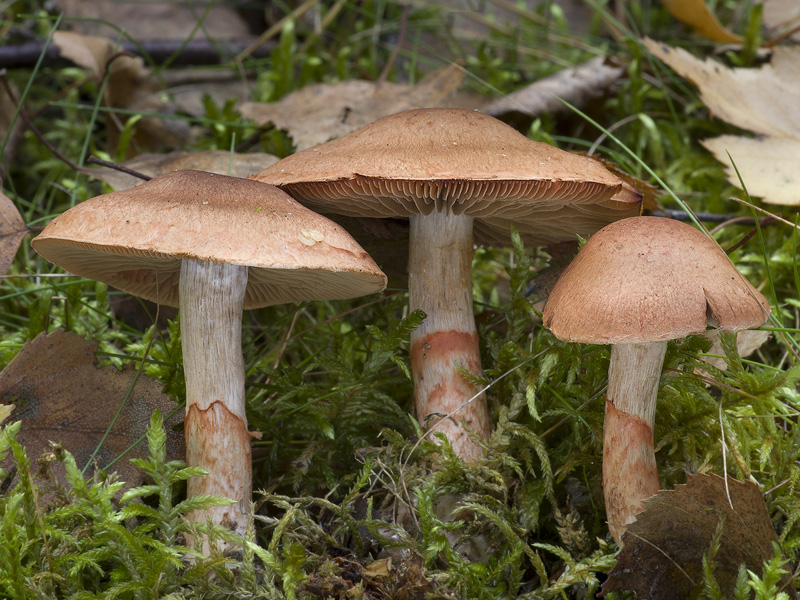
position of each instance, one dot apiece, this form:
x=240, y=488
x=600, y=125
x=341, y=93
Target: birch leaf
x=697, y=15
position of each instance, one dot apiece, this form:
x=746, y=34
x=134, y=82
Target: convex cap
x=648, y=279
x=135, y=240
x=426, y=160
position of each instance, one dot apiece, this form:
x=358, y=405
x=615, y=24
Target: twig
x=275, y=29
x=401, y=36
x=117, y=167
x=680, y=215
x=33, y=128
x=196, y=52
x=326, y=20
x=762, y=223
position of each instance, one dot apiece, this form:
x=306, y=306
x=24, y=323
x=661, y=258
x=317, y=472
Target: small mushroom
x=445, y=170
x=636, y=284
x=212, y=245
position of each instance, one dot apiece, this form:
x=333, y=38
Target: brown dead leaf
x=211, y=161
x=631, y=185
x=188, y=88
x=87, y=51
x=12, y=230
x=61, y=395
x=129, y=86
x=318, y=113
x=763, y=100
x=664, y=547
x=153, y=20
x=577, y=85
x=697, y=15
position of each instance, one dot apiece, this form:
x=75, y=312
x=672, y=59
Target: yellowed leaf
x=763, y=100
x=769, y=167
x=697, y=15
x=318, y=113
x=5, y=411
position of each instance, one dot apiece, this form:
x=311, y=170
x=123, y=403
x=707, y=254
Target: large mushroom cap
x=135, y=239
x=649, y=279
x=423, y=160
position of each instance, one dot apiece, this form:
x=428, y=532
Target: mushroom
x=637, y=284
x=446, y=169
x=212, y=245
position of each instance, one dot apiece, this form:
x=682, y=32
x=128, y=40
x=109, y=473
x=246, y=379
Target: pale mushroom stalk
x=629, y=462
x=211, y=299
x=440, y=283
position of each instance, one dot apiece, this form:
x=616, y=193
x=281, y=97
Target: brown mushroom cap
x=135, y=240
x=423, y=160
x=649, y=279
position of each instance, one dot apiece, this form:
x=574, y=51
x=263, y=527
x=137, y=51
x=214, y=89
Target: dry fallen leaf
x=153, y=20
x=318, y=113
x=768, y=166
x=631, y=185
x=189, y=88
x=664, y=547
x=129, y=86
x=763, y=100
x=211, y=161
x=577, y=85
x=61, y=395
x=697, y=15
x=782, y=16
x=12, y=230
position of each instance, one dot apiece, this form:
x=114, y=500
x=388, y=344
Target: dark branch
x=196, y=52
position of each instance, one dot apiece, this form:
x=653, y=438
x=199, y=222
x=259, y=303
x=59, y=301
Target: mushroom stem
x=629, y=461
x=440, y=283
x=211, y=299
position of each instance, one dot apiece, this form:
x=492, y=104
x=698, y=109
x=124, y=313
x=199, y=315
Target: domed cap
x=649, y=279
x=135, y=239
x=423, y=160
